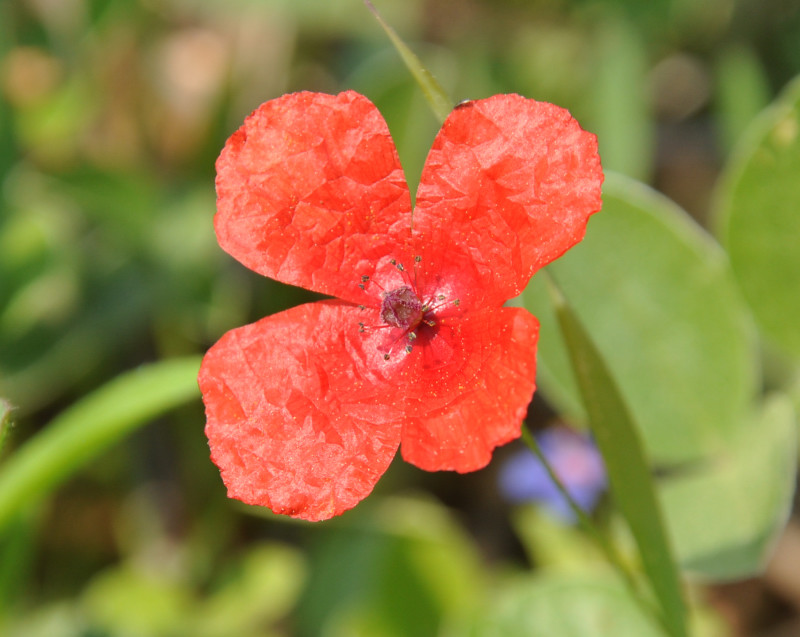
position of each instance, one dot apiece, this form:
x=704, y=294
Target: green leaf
x=439, y=102
x=565, y=606
x=724, y=519
x=90, y=426
x=759, y=224
x=628, y=471
x=657, y=297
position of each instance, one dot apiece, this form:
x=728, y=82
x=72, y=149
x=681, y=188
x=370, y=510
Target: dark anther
x=408, y=349
x=412, y=336
x=393, y=261
x=386, y=357
x=364, y=278
x=402, y=308
x=430, y=323
x=362, y=307
x=400, y=267
x=361, y=285
x=360, y=327
x=417, y=259
x=457, y=302
x=440, y=297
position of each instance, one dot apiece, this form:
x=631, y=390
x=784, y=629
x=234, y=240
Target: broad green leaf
x=90, y=426
x=725, y=517
x=656, y=296
x=759, y=222
x=628, y=471
x=439, y=102
x=565, y=606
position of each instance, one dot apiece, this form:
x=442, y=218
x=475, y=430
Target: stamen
x=362, y=286
x=386, y=357
x=412, y=336
x=408, y=349
x=457, y=302
x=364, y=278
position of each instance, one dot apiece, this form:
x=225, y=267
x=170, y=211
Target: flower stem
x=602, y=541
x=437, y=98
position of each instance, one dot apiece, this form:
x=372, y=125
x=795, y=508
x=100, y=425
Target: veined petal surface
x=468, y=390
x=295, y=421
x=310, y=192
x=508, y=186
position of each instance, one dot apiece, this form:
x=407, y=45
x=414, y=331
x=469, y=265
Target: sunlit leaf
x=759, y=222
x=724, y=517
x=566, y=606
x=656, y=295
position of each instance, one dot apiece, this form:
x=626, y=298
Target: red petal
x=293, y=419
x=508, y=186
x=310, y=191
x=462, y=409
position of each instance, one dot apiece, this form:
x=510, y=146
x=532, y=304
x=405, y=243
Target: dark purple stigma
x=402, y=308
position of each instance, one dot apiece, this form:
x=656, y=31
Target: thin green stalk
x=89, y=427
x=629, y=475
x=5, y=421
x=437, y=98
x=600, y=538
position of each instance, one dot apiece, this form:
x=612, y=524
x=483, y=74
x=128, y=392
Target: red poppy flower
x=306, y=409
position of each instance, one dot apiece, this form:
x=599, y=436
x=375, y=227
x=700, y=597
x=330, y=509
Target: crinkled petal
x=310, y=192
x=460, y=408
x=294, y=420
x=508, y=186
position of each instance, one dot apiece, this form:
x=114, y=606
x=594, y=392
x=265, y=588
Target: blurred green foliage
x=112, y=113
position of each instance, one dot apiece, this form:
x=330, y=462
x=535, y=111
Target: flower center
x=402, y=308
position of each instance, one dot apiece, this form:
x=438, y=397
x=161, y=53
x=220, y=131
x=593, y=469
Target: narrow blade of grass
x=629, y=475
x=90, y=426
x=438, y=99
